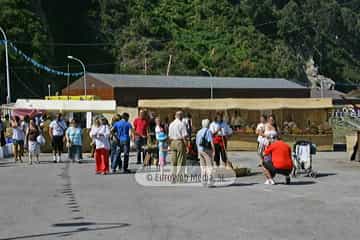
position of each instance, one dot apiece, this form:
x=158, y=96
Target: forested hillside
x=257, y=38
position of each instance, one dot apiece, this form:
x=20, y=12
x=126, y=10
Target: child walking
x=162, y=139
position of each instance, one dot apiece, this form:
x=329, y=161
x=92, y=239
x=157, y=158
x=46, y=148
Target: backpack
x=204, y=142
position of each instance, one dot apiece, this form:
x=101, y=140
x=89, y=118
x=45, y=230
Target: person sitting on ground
x=280, y=161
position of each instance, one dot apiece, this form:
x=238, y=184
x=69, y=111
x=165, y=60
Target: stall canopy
x=246, y=104
x=99, y=106
x=26, y=112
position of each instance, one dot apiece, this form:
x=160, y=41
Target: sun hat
x=272, y=135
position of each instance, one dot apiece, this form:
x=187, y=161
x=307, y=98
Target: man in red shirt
x=141, y=125
x=281, y=161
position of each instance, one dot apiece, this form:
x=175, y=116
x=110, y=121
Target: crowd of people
x=111, y=142
x=26, y=135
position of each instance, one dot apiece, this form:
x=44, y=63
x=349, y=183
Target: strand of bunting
x=39, y=65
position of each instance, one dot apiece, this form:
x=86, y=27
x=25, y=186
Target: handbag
x=40, y=139
x=204, y=142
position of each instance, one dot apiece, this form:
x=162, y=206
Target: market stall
x=297, y=119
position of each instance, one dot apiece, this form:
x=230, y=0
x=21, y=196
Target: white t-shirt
x=58, y=127
x=177, y=130
x=101, y=136
x=225, y=129
x=157, y=129
x=24, y=126
x=260, y=128
x=18, y=134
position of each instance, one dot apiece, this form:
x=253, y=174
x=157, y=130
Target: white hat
x=272, y=135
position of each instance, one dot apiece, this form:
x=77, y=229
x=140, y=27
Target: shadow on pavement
x=299, y=183
x=320, y=175
x=88, y=161
x=8, y=164
x=123, y=173
x=83, y=228
x=237, y=184
x=254, y=174
x=242, y=184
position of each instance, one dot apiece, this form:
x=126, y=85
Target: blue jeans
x=139, y=143
x=115, y=155
x=123, y=147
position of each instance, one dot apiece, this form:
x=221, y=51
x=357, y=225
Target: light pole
x=49, y=89
x=8, y=98
x=211, y=82
x=83, y=66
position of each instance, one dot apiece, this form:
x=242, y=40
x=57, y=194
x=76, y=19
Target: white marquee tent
x=97, y=106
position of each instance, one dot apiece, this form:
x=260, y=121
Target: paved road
x=67, y=201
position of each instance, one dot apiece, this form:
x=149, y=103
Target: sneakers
x=54, y=158
x=270, y=182
x=287, y=180
x=58, y=159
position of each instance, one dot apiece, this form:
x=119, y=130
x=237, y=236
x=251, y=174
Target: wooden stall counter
x=248, y=142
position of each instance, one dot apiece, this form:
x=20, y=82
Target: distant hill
x=254, y=38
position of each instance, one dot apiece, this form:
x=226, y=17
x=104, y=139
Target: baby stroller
x=302, y=158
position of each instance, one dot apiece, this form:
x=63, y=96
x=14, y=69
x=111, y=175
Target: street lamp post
x=49, y=89
x=83, y=66
x=211, y=82
x=8, y=98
